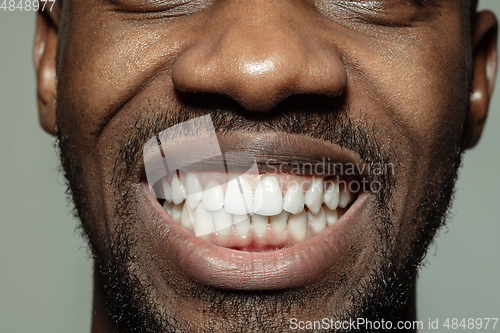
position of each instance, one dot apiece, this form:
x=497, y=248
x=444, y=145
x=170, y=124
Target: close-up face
x=390, y=92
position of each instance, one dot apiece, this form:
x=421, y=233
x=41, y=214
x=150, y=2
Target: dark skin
x=417, y=77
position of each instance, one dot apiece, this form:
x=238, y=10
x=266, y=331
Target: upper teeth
x=294, y=199
x=194, y=190
x=314, y=195
x=239, y=197
x=178, y=191
x=213, y=196
x=254, y=202
x=268, y=199
x=331, y=196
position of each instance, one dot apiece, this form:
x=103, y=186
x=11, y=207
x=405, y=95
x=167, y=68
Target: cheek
x=425, y=87
x=107, y=62
x=416, y=89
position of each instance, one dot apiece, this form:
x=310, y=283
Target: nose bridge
x=258, y=57
x=261, y=52
x=262, y=31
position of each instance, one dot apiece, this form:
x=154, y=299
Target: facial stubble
x=135, y=304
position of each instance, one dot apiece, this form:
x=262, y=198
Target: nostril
x=262, y=71
x=208, y=101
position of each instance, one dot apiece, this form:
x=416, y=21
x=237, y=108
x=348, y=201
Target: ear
x=44, y=56
x=485, y=57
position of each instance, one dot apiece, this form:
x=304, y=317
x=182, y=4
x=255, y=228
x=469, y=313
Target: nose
x=259, y=53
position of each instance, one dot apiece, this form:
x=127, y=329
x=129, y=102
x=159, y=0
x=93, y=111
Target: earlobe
x=44, y=54
x=485, y=57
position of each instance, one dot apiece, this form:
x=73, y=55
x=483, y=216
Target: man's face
x=372, y=84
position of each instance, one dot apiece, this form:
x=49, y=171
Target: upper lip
x=280, y=149
x=209, y=264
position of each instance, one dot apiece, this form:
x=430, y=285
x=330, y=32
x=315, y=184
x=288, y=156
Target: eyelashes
x=143, y=9
x=392, y=2
x=383, y=13
x=424, y=2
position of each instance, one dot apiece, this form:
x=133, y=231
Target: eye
x=390, y=3
x=148, y=4
x=393, y=13
x=170, y=7
x=415, y=2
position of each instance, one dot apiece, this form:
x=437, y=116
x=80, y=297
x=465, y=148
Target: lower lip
x=220, y=267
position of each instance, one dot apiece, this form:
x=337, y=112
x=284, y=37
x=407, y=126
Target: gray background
x=45, y=270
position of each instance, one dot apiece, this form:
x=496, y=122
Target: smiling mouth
x=255, y=212
x=224, y=216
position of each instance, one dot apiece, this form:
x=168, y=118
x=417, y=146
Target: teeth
x=213, y=197
x=176, y=213
x=168, y=206
x=278, y=222
x=268, y=199
x=294, y=199
x=331, y=216
x=203, y=221
x=254, y=212
x=259, y=223
x=222, y=221
x=178, y=190
x=317, y=221
x=167, y=190
x=331, y=196
x=314, y=195
x=187, y=217
x=194, y=190
x=241, y=224
x=298, y=225
x=345, y=197
x=238, y=200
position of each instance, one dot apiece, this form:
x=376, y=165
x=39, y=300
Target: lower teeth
x=285, y=228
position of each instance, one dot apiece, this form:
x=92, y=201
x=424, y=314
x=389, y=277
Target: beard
x=135, y=303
